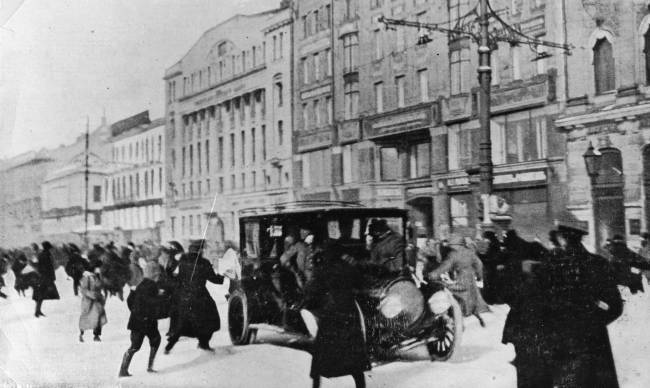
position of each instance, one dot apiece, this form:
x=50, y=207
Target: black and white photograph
x=325, y=193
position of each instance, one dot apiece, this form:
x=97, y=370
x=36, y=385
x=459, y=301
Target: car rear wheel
x=238, y=318
x=448, y=334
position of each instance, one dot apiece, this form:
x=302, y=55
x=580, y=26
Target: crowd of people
x=163, y=282
x=561, y=296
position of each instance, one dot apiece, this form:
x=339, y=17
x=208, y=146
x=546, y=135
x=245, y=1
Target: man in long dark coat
x=75, y=266
x=197, y=314
x=387, y=248
x=339, y=348
x=46, y=289
x=581, y=300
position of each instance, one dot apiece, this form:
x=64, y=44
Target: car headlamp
x=439, y=302
x=391, y=306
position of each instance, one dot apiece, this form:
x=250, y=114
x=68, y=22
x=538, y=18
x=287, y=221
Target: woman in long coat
x=93, y=314
x=340, y=347
x=467, y=268
x=45, y=289
x=195, y=311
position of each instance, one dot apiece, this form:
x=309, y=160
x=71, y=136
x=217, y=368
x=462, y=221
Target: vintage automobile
x=397, y=312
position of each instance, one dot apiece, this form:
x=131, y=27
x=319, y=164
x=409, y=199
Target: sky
x=64, y=60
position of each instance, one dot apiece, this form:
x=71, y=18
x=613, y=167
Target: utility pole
x=485, y=80
x=486, y=39
x=86, y=173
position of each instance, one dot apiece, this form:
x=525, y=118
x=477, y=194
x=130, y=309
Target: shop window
x=604, y=66
x=459, y=211
x=389, y=160
x=420, y=160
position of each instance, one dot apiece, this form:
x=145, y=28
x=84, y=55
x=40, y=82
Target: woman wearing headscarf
x=93, y=314
x=45, y=289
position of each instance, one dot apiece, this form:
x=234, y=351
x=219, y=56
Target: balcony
x=536, y=91
x=456, y=108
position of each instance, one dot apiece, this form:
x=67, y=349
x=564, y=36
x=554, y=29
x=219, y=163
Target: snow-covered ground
x=46, y=352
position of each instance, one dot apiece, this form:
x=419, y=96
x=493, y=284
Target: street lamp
x=592, y=164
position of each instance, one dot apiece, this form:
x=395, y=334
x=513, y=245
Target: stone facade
x=403, y=126
x=614, y=119
x=134, y=191
x=228, y=126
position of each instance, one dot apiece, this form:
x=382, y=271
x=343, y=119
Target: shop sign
x=534, y=93
x=312, y=140
x=460, y=181
x=389, y=192
x=456, y=108
x=348, y=131
x=529, y=176
x=399, y=122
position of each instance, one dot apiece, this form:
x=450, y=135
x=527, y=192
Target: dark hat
x=174, y=246
x=377, y=225
x=566, y=222
x=46, y=245
x=74, y=248
x=618, y=239
x=196, y=245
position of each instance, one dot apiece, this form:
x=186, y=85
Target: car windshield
x=350, y=229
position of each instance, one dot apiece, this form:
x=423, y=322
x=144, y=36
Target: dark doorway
x=421, y=216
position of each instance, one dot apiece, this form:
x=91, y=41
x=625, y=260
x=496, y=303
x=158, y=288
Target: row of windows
x=128, y=187
x=399, y=88
x=317, y=165
x=317, y=20
x=235, y=112
x=229, y=66
x=245, y=181
x=316, y=67
x=138, y=217
x=253, y=145
x=317, y=113
x=145, y=150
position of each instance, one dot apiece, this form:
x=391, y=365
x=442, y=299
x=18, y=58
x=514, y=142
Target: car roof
x=305, y=207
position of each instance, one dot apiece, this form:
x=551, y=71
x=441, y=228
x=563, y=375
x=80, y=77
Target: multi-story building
x=608, y=106
x=64, y=196
x=229, y=124
x=397, y=121
x=135, y=189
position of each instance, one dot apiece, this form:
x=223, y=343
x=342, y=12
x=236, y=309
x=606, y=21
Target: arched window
x=604, y=71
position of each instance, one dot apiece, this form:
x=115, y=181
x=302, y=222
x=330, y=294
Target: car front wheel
x=238, y=318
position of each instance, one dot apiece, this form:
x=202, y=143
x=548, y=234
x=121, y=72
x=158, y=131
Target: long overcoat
x=581, y=300
x=92, y=302
x=196, y=312
x=339, y=348
x=388, y=252
x=466, y=267
x=45, y=289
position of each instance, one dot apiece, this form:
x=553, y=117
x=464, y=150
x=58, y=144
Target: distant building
x=134, y=190
x=229, y=125
x=20, y=193
x=64, y=202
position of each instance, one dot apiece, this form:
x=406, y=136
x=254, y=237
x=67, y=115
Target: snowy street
x=46, y=351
